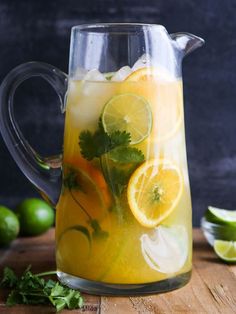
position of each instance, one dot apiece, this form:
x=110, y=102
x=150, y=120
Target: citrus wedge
x=69, y=258
x=221, y=216
x=130, y=113
x=154, y=190
x=89, y=186
x=226, y=250
x=149, y=74
x=94, y=175
x=164, y=94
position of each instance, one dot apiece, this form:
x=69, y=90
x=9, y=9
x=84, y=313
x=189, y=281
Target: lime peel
x=221, y=216
x=226, y=250
x=35, y=216
x=9, y=226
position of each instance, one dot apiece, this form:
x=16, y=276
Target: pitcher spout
x=187, y=42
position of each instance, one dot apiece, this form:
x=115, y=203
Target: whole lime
x=9, y=226
x=35, y=216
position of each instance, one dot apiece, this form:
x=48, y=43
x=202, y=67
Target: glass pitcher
x=121, y=189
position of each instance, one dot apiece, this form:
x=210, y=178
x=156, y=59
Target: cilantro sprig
x=31, y=288
x=71, y=182
x=126, y=155
x=94, y=145
x=117, y=179
x=114, y=147
x=118, y=160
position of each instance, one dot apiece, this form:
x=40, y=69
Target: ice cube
x=122, y=73
x=143, y=61
x=80, y=74
x=165, y=251
x=94, y=75
x=86, y=101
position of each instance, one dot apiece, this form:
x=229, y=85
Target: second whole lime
x=9, y=226
x=35, y=216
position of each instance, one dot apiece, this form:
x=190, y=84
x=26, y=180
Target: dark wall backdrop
x=40, y=30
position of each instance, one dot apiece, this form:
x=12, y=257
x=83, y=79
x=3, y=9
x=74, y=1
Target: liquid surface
x=124, y=215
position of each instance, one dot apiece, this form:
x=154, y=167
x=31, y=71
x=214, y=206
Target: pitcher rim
x=105, y=25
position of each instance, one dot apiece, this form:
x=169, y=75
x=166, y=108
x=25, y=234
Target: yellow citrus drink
x=124, y=215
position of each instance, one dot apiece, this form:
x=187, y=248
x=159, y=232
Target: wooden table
x=212, y=288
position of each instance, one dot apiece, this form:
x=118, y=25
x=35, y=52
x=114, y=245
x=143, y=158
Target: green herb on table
x=32, y=289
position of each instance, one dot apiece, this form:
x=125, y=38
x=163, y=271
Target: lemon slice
x=226, y=250
x=154, y=190
x=166, y=249
x=130, y=113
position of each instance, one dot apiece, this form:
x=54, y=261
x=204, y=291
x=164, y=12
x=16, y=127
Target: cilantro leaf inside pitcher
x=77, y=180
x=117, y=158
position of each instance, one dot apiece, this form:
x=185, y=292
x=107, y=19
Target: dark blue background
x=40, y=30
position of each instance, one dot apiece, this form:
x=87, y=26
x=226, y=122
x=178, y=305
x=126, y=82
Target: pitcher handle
x=44, y=173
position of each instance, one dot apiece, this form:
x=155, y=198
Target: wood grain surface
x=212, y=288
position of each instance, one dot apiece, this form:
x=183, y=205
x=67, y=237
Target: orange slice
x=164, y=94
x=154, y=191
x=93, y=185
x=149, y=74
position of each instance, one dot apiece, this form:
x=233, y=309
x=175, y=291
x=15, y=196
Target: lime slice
x=221, y=216
x=130, y=113
x=73, y=249
x=166, y=248
x=213, y=231
x=226, y=250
